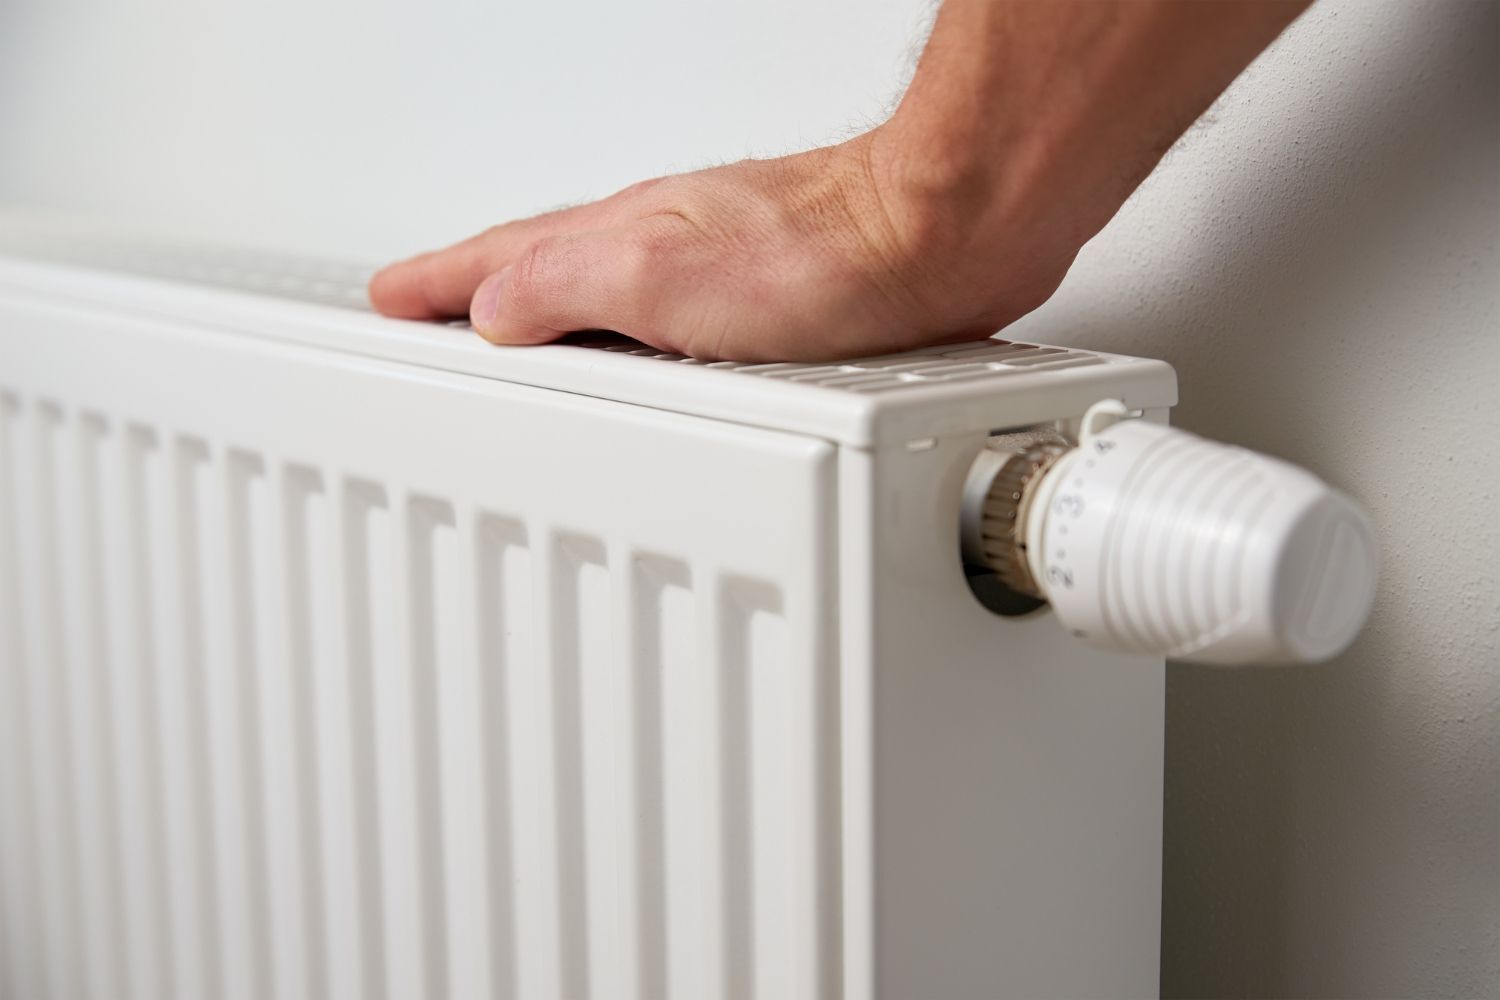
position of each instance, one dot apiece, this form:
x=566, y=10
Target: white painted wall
x=1320, y=259
x=370, y=127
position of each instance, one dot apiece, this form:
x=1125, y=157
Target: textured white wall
x=1319, y=259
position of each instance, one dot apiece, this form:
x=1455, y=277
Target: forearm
x=1071, y=101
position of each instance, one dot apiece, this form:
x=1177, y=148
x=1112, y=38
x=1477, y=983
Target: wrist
x=1049, y=115
x=1039, y=167
x=954, y=240
x=970, y=203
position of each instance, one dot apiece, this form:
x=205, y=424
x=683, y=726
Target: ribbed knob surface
x=1002, y=529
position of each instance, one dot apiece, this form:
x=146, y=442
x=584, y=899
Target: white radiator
x=348, y=657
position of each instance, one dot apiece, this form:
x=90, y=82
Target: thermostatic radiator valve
x=1150, y=539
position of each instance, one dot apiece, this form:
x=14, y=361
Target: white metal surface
x=354, y=658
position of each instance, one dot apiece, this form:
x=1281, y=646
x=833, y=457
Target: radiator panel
x=350, y=657
x=331, y=677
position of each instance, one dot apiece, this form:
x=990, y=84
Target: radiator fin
x=242, y=601
x=365, y=574
x=153, y=951
x=25, y=965
x=53, y=719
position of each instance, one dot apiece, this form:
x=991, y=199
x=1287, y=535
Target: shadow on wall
x=1319, y=261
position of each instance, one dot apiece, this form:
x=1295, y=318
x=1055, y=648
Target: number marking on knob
x=1069, y=504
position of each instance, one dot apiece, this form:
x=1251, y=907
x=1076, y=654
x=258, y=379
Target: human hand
x=825, y=254
x=1024, y=130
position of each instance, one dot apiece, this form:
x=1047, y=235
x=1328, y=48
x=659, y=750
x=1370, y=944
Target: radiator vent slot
x=926, y=366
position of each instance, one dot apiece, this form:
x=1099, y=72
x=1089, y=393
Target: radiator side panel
x=1005, y=779
x=324, y=676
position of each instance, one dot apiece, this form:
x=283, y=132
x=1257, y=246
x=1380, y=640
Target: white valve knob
x=1153, y=540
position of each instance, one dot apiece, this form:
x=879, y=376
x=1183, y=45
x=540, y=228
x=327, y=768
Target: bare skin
x=1027, y=125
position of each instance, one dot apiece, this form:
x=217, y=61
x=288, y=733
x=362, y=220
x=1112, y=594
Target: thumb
x=579, y=281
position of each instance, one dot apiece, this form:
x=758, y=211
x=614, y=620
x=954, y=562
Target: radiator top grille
x=844, y=401
x=342, y=285
x=983, y=359
x=283, y=276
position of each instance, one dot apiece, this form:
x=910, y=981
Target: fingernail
x=486, y=301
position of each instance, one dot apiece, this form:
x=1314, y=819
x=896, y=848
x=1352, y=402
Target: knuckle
x=661, y=235
x=637, y=257
x=532, y=275
x=639, y=188
x=645, y=264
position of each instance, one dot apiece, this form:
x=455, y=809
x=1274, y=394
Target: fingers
x=605, y=280
x=441, y=283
